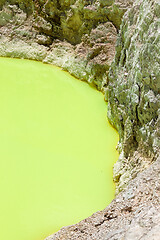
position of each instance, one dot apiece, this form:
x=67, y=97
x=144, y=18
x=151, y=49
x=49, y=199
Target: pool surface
x=57, y=150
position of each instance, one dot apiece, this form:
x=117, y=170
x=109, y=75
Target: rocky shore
x=133, y=215
x=114, y=45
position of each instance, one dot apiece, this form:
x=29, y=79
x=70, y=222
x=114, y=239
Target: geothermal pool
x=56, y=150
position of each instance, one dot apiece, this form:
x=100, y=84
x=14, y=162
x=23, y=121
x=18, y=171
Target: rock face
x=77, y=35
x=82, y=37
x=71, y=19
x=134, y=90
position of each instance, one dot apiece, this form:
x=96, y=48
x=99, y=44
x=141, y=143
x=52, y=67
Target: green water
x=56, y=150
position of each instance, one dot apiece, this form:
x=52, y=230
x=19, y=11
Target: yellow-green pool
x=56, y=150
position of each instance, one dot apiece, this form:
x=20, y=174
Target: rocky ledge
x=115, y=46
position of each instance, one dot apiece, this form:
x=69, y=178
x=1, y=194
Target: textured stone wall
x=77, y=35
x=134, y=89
x=71, y=19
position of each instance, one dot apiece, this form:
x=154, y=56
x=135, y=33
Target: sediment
x=114, y=45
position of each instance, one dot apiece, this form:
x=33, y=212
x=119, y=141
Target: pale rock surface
x=134, y=90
